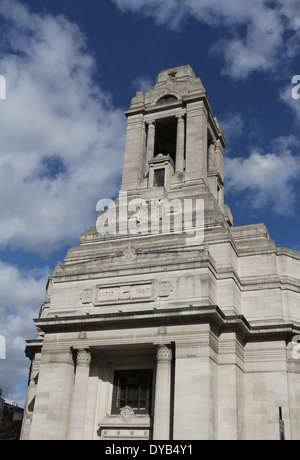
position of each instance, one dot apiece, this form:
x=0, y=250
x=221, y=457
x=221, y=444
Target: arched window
x=166, y=100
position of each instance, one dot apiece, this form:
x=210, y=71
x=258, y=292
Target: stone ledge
x=211, y=314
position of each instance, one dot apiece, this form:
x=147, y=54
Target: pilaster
x=53, y=394
x=196, y=388
x=231, y=388
x=31, y=396
x=133, y=168
x=196, y=141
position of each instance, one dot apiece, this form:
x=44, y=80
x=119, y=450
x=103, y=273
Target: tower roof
x=181, y=72
x=179, y=82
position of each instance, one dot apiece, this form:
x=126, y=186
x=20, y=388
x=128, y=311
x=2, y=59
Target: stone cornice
x=172, y=316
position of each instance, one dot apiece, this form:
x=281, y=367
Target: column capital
x=151, y=123
x=83, y=357
x=164, y=354
x=180, y=117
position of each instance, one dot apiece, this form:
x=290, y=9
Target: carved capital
x=180, y=118
x=164, y=354
x=151, y=124
x=83, y=357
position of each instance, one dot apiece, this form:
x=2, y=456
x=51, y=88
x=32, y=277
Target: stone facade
x=197, y=326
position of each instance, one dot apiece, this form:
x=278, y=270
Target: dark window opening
x=134, y=389
x=159, y=178
x=166, y=137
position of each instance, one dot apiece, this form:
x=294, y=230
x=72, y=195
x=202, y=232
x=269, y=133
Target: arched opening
x=165, y=137
x=166, y=99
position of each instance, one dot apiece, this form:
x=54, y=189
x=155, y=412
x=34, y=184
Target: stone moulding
x=171, y=316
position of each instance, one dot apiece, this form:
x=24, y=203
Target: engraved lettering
x=123, y=293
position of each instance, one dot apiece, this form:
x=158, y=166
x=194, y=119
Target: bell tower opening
x=165, y=137
x=171, y=126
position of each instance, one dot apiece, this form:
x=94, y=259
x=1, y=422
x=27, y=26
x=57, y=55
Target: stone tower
x=173, y=141
x=168, y=322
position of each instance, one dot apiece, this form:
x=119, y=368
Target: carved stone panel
x=123, y=294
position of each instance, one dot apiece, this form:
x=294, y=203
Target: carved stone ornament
x=86, y=296
x=164, y=289
x=127, y=413
x=59, y=267
x=83, y=357
x=164, y=353
x=162, y=330
x=130, y=253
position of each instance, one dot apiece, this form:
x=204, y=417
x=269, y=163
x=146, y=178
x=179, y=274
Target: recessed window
x=166, y=100
x=159, y=178
x=133, y=389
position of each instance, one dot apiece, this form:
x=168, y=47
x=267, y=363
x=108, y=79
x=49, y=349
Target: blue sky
x=72, y=67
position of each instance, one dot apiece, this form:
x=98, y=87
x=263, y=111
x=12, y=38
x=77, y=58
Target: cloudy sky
x=72, y=67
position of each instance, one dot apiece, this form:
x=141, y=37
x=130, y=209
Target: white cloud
x=61, y=138
x=142, y=83
x=268, y=179
x=168, y=11
x=232, y=126
x=61, y=150
x=21, y=295
x=291, y=10
x=254, y=32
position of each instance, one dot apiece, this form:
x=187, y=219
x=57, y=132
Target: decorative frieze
x=192, y=351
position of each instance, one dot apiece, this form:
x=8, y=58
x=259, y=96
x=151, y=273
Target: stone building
x=168, y=322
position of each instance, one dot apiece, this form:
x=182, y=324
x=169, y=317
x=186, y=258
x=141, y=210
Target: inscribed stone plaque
x=117, y=294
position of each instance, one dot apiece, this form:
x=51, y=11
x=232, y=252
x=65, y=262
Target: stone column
x=150, y=144
x=180, y=144
x=219, y=158
x=211, y=157
x=77, y=417
x=162, y=407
